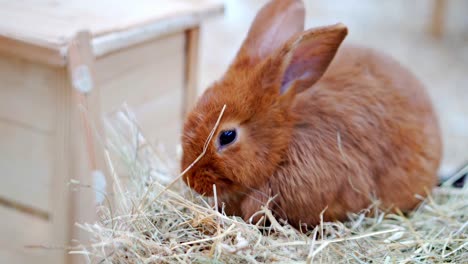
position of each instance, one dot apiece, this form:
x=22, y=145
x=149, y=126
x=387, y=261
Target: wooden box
x=140, y=52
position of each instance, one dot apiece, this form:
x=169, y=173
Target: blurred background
x=403, y=29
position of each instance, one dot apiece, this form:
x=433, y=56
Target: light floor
x=398, y=27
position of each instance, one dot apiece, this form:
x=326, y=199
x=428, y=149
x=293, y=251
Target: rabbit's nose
x=202, y=183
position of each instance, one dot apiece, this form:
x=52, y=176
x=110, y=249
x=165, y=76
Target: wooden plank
x=26, y=161
x=115, y=65
x=138, y=87
x=20, y=232
x=21, y=257
x=107, y=43
x=191, y=68
x=27, y=93
x=141, y=74
x=50, y=55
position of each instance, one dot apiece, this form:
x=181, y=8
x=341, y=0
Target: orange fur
x=315, y=130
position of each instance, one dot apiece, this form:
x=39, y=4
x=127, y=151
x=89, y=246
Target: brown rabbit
x=311, y=129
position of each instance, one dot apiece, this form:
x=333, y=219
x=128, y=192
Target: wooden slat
x=19, y=232
x=26, y=161
x=114, y=65
x=107, y=43
x=21, y=257
x=142, y=73
x=32, y=52
x=138, y=87
x=27, y=93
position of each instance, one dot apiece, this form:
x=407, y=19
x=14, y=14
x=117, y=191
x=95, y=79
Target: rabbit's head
x=277, y=61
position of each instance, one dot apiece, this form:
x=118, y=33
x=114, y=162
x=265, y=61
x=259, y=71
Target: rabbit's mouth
x=205, y=182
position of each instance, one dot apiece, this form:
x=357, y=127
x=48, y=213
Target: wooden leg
x=88, y=159
x=438, y=18
x=191, y=68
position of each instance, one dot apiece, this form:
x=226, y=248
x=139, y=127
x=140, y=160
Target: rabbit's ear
x=304, y=59
x=274, y=24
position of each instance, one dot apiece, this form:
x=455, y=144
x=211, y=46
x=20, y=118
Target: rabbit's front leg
x=252, y=203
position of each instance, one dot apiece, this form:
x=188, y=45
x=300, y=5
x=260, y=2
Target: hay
x=149, y=223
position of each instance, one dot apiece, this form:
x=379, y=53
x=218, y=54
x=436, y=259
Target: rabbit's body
x=365, y=129
x=312, y=136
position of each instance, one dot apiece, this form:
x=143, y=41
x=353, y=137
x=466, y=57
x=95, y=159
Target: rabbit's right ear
x=274, y=24
x=304, y=59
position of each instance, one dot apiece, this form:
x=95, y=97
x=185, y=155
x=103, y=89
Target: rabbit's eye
x=226, y=137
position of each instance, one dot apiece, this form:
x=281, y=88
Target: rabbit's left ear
x=304, y=59
x=274, y=24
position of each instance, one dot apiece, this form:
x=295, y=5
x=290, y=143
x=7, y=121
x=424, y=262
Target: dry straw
x=148, y=222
